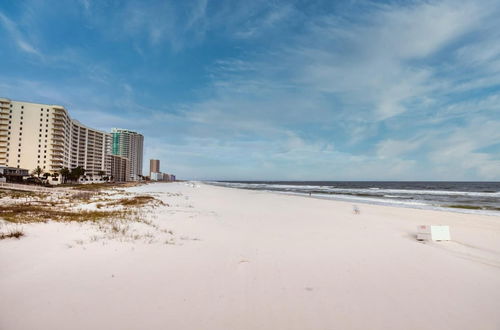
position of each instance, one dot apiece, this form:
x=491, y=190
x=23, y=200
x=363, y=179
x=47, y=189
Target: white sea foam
x=367, y=191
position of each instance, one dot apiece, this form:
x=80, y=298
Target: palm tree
x=64, y=174
x=76, y=173
x=38, y=171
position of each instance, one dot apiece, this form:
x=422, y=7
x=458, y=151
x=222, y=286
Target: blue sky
x=285, y=90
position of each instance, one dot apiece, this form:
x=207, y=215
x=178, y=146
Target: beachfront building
x=156, y=176
x=12, y=174
x=154, y=166
x=129, y=144
x=41, y=135
x=118, y=168
x=88, y=149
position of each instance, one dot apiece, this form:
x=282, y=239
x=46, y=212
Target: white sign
x=433, y=233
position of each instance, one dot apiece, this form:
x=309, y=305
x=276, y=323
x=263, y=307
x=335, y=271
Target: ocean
x=467, y=197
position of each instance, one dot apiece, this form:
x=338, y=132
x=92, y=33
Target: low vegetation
x=28, y=212
x=116, y=214
x=16, y=194
x=101, y=186
x=13, y=233
x=137, y=201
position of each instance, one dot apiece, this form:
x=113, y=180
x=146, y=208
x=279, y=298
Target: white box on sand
x=433, y=233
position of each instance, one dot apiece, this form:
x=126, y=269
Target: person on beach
x=355, y=209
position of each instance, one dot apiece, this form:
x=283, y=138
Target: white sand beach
x=222, y=258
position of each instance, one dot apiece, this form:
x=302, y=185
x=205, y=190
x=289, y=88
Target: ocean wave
x=367, y=191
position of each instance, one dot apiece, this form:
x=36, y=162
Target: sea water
x=468, y=197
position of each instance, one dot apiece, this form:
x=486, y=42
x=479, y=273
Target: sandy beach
x=222, y=258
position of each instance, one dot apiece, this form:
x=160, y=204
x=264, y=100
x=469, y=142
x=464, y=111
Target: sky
x=272, y=90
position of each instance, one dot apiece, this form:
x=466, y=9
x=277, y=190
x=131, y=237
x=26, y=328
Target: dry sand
x=242, y=259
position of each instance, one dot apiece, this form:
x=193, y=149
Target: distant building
x=12, y=174
x=118, y=168
x=156, y=176
x=154, y=166
x=129, y=144
x=168, y=177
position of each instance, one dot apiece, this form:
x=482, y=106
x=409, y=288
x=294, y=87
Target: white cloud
x=18, y=37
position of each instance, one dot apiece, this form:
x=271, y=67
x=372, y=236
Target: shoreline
x=418, y=205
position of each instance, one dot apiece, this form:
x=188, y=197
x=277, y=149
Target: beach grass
x=13, y=233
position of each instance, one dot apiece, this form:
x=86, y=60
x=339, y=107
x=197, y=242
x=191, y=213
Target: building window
x=22, y=106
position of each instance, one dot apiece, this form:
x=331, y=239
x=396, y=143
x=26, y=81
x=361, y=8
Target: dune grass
x=137, y=201
x=27, y=212
x=13, y=233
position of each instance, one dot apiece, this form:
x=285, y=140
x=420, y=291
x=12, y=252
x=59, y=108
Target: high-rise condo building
x=129, y=144
x=34, y=134
x=154, y=166
x=118, y=167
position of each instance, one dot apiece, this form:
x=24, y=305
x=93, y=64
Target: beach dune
x=242, y=259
